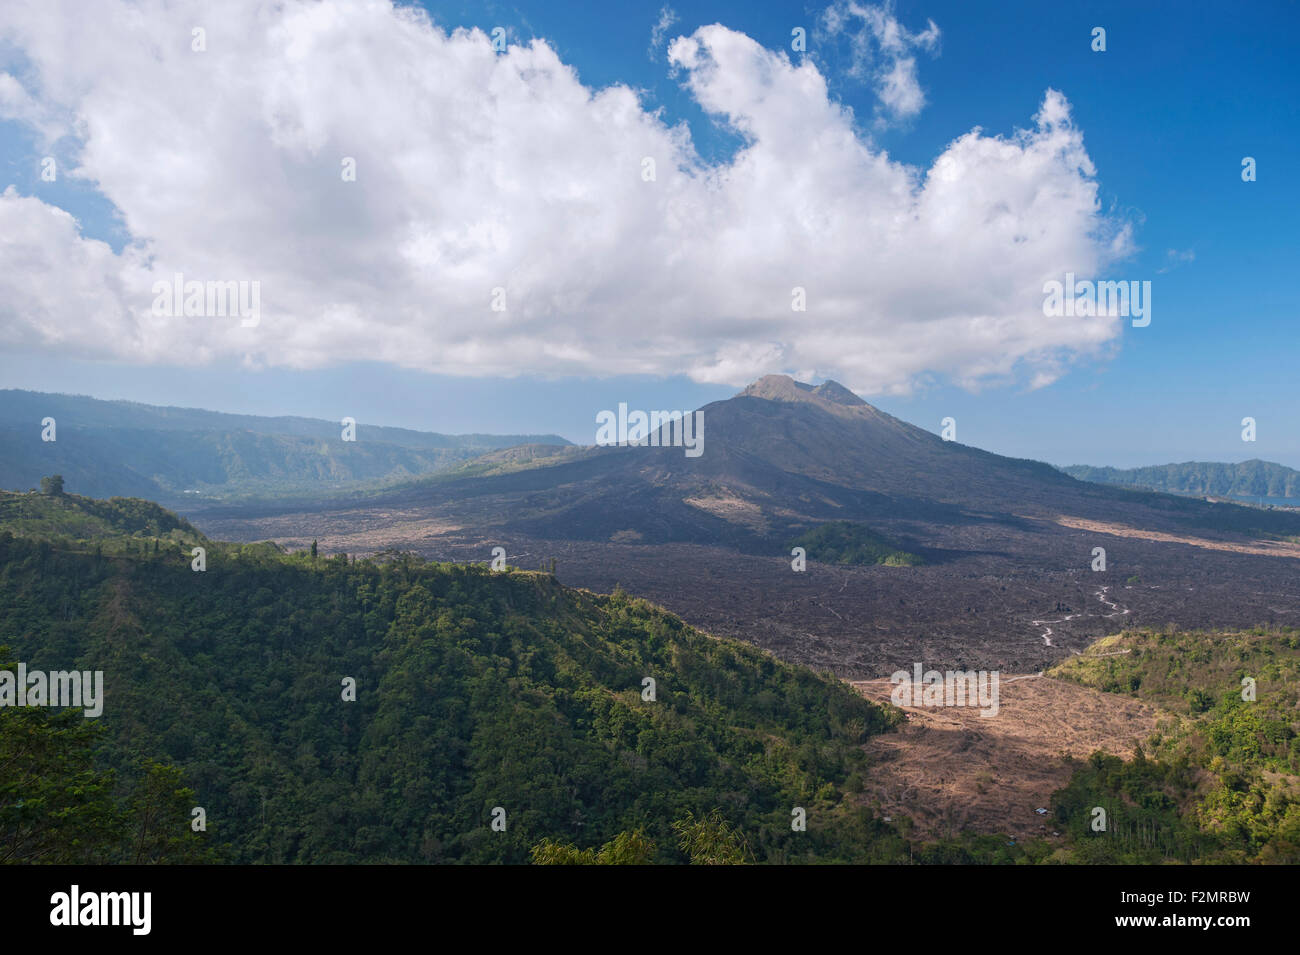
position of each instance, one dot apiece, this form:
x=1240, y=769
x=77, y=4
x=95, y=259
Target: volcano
x=1000, y=544
x=778, y=458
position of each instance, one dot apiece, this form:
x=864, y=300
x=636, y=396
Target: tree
x=710, y=840
x=160, y=811
x=627, y=848
x=55, y=805
x=550, y=852
x=52, y=485
x=313, y=550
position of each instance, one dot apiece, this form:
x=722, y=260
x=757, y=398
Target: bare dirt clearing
x=1263, y=548
x=951, y=769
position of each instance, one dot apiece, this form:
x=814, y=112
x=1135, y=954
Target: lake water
x=1275, y=501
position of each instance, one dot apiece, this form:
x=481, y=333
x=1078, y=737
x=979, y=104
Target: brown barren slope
x=1265, y=548
x=951, y=769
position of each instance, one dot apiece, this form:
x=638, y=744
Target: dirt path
x=1100, y=595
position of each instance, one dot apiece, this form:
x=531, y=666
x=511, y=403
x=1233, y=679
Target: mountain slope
x=1220, y=782
x=109, y=448
x=474, y=691
x=783, y=457
x=23, y=408
x=1253, y=479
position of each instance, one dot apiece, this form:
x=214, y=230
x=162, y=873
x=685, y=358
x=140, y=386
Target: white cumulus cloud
x=478, y=170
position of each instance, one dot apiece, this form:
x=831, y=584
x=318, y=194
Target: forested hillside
x=1220, y=781
x=326, y=709
x=1253, y=478
x=117, y=522
x=473, y=690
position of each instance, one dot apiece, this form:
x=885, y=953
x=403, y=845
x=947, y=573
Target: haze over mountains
x=108, y=448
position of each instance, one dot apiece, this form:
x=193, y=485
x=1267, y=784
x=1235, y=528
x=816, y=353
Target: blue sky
x=1182, y=93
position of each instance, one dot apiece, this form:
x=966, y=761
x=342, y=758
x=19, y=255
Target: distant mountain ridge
x=18, y=407
x=1253, y=478
x=123, y=448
